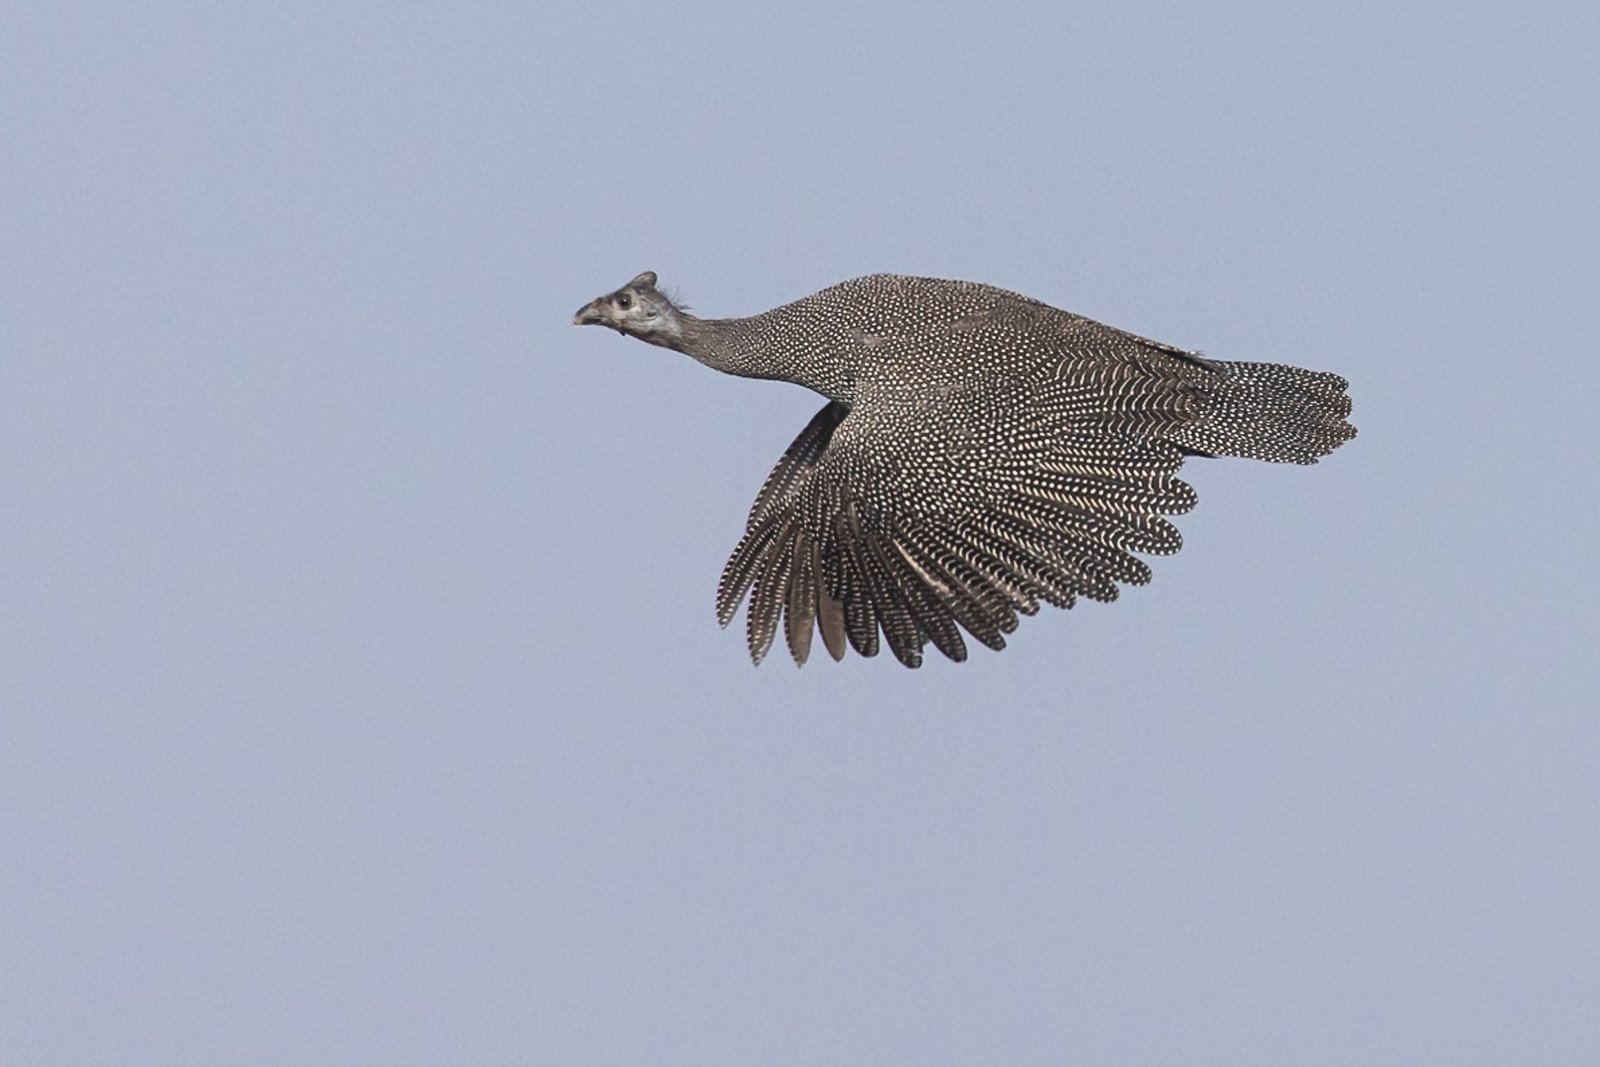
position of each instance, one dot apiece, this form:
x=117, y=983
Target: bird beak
x=588, y=315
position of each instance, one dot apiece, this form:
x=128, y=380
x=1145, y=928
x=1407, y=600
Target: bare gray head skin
x=639, y=310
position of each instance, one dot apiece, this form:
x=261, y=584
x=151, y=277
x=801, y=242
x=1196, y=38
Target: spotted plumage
x=980, y=453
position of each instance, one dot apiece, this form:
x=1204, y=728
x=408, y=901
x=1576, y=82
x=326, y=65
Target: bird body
x=981, y=452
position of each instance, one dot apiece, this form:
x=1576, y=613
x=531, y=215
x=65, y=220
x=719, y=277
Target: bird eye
x=624, y=301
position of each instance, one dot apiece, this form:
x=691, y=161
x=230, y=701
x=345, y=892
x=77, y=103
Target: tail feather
x=1273, y=412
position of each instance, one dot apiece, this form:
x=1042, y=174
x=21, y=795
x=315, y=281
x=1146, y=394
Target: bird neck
x=761, y=346
x=733, y=346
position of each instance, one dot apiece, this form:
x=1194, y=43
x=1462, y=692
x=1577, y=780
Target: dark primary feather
x=981, y=453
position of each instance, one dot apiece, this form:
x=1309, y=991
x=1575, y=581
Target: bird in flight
x=980, y=453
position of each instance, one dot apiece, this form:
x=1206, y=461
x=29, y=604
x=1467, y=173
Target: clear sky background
x=361, y=699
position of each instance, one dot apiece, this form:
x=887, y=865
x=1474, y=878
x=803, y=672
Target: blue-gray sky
x=360, y=694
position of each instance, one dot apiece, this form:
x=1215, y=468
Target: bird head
x=638, y=309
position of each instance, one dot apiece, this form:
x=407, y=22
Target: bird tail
x=1270, y=411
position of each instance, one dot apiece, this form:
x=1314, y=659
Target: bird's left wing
x=922, y=519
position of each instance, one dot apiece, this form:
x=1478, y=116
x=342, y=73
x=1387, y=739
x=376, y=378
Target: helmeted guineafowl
x=980, y=452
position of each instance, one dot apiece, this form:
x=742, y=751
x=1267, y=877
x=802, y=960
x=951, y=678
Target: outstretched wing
x=920, y=518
